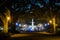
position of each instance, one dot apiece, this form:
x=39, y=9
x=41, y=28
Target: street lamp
x=50, y=21
x=8, y=18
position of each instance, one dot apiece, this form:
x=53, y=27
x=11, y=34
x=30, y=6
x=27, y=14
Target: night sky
x=30, y=7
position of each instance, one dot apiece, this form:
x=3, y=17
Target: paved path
x=30, y=34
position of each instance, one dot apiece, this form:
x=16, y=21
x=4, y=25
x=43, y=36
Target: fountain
x=32, y=22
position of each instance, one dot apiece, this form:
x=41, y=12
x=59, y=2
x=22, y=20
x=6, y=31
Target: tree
x=5, y=20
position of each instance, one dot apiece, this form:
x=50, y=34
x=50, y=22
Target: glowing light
x=1, y=28
x=16, y=23
x=30, y=26
x=25, y=25
x=8, y=18
x=19, y=25
x=50, y=21
x=48, y=24
x=40, y=25
x=45, y=24
x=32, y=29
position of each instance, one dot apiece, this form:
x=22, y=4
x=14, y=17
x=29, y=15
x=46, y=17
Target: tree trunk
x=6, y=26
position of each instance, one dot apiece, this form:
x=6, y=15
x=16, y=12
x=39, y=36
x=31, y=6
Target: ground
x=33, y=36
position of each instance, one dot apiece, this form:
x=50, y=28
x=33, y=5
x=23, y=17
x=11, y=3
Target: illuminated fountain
x=32, y=25
x=32, y=22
